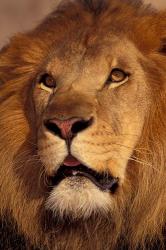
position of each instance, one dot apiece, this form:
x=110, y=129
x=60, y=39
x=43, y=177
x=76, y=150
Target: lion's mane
x=140, y=216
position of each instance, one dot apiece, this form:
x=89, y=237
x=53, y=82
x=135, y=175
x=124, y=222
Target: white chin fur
x=79, y=198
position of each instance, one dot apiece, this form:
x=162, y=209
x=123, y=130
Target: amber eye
x=117, y=76
x=48, y=81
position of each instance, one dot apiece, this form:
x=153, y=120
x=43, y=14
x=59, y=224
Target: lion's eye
x=48, y=81
x=117, y=77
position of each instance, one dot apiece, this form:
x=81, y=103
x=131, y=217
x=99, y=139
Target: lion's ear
x=150, y=33
x=3, y=64
x=161, y=26
x=9, y=59
x=158, y=27
x=162, y=48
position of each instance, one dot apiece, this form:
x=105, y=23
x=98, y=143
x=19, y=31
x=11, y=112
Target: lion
x=83, y=130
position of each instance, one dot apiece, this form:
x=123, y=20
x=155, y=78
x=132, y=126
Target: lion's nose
x=67, y=129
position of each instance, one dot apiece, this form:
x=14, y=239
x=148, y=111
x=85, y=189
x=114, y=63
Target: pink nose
x=66, y=126
x=67, y=129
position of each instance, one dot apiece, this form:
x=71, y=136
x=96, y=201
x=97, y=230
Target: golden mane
x=140, y=216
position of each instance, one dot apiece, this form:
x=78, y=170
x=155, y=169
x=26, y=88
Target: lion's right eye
x=47, y=82
x=117, y=77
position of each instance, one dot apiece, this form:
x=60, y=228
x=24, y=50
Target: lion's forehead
x=77, y=60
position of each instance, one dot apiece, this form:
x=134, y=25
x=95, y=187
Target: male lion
x=83, y=130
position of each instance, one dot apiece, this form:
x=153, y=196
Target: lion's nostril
x=81, y=125
x=67, y=129
x=52, y=127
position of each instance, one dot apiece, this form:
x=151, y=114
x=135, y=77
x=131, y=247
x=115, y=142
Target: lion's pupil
x=49, y=81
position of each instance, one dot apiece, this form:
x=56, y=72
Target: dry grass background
x=21, y=15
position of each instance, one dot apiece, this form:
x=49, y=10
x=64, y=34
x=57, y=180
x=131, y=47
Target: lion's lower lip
x=103, y=181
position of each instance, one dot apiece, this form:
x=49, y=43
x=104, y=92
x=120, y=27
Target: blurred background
x=22, y=15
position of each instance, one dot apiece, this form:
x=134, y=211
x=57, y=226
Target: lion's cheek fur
x=52, y=151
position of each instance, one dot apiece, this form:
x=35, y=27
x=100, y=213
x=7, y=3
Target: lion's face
x=91, y=105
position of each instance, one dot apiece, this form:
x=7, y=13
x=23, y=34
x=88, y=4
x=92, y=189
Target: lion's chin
x=78, y=197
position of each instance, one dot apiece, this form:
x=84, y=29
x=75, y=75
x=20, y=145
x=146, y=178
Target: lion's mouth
x=104, y=181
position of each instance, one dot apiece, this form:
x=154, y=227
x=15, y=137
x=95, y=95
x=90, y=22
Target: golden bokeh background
x=22, y=15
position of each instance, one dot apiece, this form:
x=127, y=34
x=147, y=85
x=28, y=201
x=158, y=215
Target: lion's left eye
x=47, y=83
x=117, y=76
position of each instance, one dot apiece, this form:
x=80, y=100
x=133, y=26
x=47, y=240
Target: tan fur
x=79, y=44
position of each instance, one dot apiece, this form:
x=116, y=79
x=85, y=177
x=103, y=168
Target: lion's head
x=83, y=128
